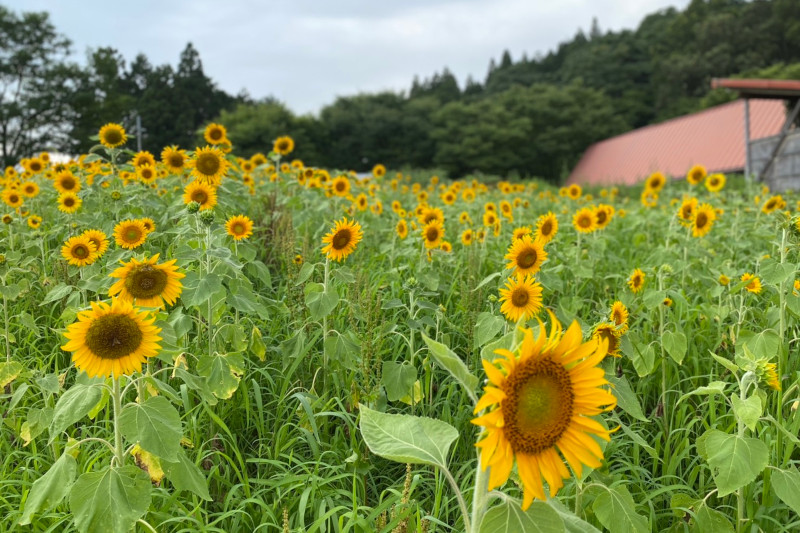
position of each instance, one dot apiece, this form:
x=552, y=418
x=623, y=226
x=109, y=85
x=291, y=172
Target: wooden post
x=747, y=138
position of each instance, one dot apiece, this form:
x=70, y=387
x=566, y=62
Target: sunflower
x=489, y=218
x=574, y=191
x=449, y=198
x=431, y=214
x=611, y=335
x=446, y=247
x=603, y=214
x=99, y=239
x=361, y=202
x=619, y=316
x=379, y=171
x=30, y=189
x=723, y=280
x=342, y=239
x=432, y=234
x=209, y=165
x=667, y=302
x=585, y=220
x=341, y=187
x=112, y=339
x=79, y=251
x=506, y=209
x=69, y=202
x=12, y=198
x=283, y=145
x=298, y=260
x=467, y=236
x=715, y=182
x=754, y=284
x=112, y=135
x=402, y=228
x=636, y=281
x=130, y=234
x=773, y=204
x=468, y=195
x=521, y=298
x=143, y=158
x=541, y=400
x=696, y=174
x=35, y=165
x=703, y=220
x=174, y=159
x=149, y=283
x=215, y=134
x=687, y=210
x=7, y=219
x=146, y=174
x=34, y=221
x=202, y=193
x=526, y=256
x=239, y=227
x=149, y=224
x=521, y=232
x=546, y=228
x=655, y=182
x=464, y=218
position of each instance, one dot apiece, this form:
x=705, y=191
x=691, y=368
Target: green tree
x=36, y=83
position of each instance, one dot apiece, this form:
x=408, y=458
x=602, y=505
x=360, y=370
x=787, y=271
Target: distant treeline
x=530, y=117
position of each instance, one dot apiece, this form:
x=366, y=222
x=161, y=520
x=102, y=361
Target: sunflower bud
x=207, y=217
x=115, y=195
x=2, y=259
x=192, y=207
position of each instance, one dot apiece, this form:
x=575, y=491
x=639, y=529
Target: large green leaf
x=572, y=523
x=707, y=520
x=748, y=411
x=510, y=518
x=627, y=400
x=616, y=510
x=453, y=364
x=787, y=487
x=643, y=356
x=73, y=405
x=398, y=379
x=155, y=424
x=207, y=286
x=675, y=344
x=9, y=371
x=487, y=327
x=320, y=302
x=764, y=344
x=185, y=475
x=407, y=439
x=111, y=500
x=735, y=461
x=222, y=372
x=51, y=488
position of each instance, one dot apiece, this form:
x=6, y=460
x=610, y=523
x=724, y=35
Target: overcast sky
x=308, y=52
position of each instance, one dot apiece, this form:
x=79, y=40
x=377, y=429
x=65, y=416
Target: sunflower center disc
x=113, y=137
x=601, y=217
x=208, y=164
x=527, y=259
x=145, y=282
x=113, y=336
x=341, y=239
x=608, y=334
x=585, y=222
x=538, y=407
x=132, y=235
x=200, y=197
x=238, y=229
x=80, y=252
x=546, y=228
x=69, y=202
x=68, y=183
x=702, y=219
x=520, y=297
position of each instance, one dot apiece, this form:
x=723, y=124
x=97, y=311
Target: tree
x=36, y=83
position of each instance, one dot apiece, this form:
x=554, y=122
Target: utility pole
x=138, y=133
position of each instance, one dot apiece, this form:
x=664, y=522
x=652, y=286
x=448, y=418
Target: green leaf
x=10, y=292
x=509, y=517
x=305, y=272
x=715, y=387
x=727, y=363
x=764, y=344
x=675, y=344
x=73, y=405
x=643, y=357
x=572, y=523
x=616, y=510
x=787, y=487
x=406, y=438
x=9, y=371
x=627, y=400
x=487, y=327
x=185, y=475
x=486, y=280
x=51, y=488
x=453, y=364
x=707, y=520
x=155, y=424
x=747, y=411
x=774, y=273
x=257, y=345
x=111, y=500
x=208, y=285
x=398, y=379
x=320, y=302
x=735, y=461
x=222, y=373
x=57, y=293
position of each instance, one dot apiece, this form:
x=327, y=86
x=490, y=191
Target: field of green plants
x=193, y=341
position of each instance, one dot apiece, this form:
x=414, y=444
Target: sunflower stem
x=782, y=356
x=325, y=318
x=210, y=304
x=479, y=496
x=119, y=453
x=5, y=317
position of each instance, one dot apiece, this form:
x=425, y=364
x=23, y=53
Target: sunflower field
x=194, y=341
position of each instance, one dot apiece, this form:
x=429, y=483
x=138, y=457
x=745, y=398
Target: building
x=715, y=138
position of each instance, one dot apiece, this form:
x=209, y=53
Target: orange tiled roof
x=713, y=138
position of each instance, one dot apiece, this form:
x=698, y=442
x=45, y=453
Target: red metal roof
x=713, y=138
x=757, y=88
